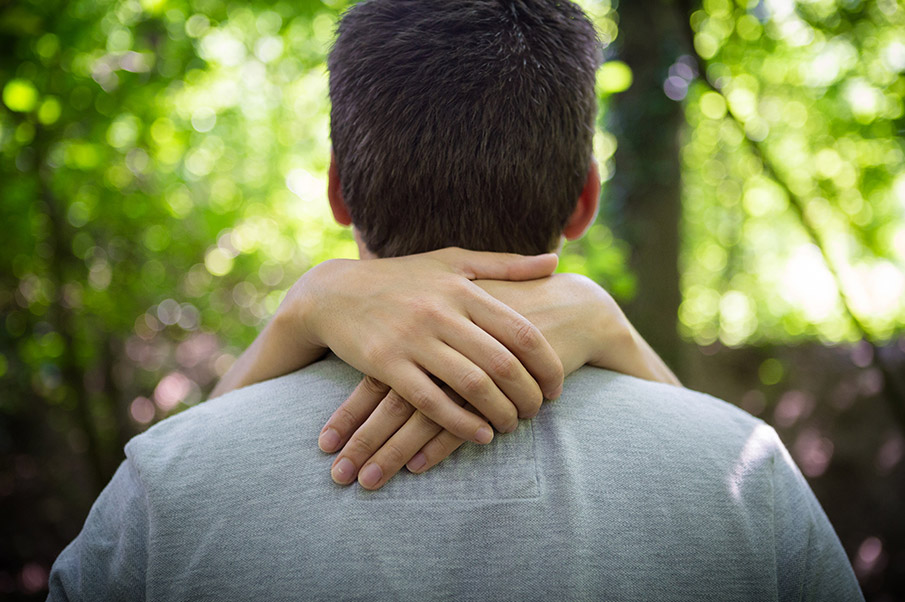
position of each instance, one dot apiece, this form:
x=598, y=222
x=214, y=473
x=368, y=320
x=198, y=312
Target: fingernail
x=343, y=472
x=556, y=393
x=417, y=463
x=484, y=435
x=370, y=475
x=328, y=441
x=511, y=428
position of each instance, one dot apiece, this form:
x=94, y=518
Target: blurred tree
x=799, y=132
x=643, y=197
x=794, y=172
x=162, y=182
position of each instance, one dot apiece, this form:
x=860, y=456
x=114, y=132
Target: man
x=462, y=123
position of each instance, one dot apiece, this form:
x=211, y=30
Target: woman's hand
x=405, y=320
x=580, y=320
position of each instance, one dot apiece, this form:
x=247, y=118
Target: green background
x=163, y=182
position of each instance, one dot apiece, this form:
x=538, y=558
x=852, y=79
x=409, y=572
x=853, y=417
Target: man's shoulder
x=280, y=416
x=661, y=436
x=659, y=410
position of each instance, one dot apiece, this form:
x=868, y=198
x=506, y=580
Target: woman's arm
x=392, y=319
x=403, y=319
x=580, y=320
x=274, y=352
x=584, y=324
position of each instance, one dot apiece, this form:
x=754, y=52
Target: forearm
x=393, y=319
x=584, y=324
x=649, y=365
x=620, y=347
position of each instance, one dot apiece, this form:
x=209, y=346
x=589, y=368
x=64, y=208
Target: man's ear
x=335, y=195
x=586, y=209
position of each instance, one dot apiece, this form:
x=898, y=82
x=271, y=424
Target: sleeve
x=811, y=564
x=108, y=559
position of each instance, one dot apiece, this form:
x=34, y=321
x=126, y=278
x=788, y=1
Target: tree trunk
x=644, y=195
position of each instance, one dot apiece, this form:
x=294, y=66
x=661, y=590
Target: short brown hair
x=462, y=122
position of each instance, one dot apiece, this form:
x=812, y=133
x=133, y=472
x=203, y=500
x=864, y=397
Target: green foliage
x=799, y=151
x=163, y=184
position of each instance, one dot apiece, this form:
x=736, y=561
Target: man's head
x=463, y=123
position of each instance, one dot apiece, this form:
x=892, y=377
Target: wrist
x=612, y=335
x=301, y=313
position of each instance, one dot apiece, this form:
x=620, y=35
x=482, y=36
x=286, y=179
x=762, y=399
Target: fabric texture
x=620, y=490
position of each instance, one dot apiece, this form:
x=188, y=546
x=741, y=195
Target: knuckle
x=465, y=289
x=447, y=445
x=395, y=406
x=359, y=447
x=460, y=425
x=392, y=457
x=473, y=382
x=376, y=356
x=503, y=364
x=433, y=451
x=440, y=448
x=527, y=336
x=425, y=423
x=426, y=309
x=374, y=386
x=423, y=400
x=344, y=419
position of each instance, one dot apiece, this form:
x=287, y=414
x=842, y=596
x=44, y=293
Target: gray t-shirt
x=620, y=490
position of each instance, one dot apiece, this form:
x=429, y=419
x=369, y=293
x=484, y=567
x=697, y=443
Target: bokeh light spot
x=34, y=578
x=204, y=119
x=197, y=25
x=20, y=95
x=142, y=410
x=50, y=111
x=171, y=390
x=713, y=105
x=614, y=77
x=218, y=262
x=870, y=558
x=813, y=452
x=770, y=371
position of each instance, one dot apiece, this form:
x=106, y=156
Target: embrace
x=462, y=158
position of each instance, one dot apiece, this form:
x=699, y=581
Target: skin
x=392, y=434
x=498, y=329
x=457, y=324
